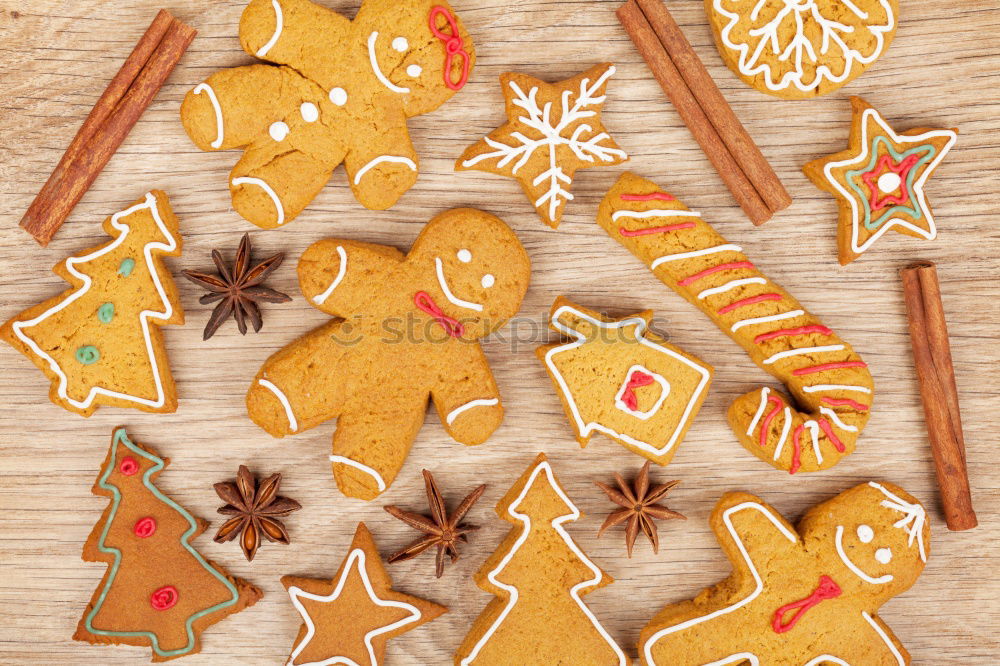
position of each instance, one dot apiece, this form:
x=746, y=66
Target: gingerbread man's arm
x=298, y=33
x=466, y=395
x=874, y=643
x=752, y=534
x=340, y=276
x=382, y=165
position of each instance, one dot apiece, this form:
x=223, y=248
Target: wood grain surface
x=943, y=69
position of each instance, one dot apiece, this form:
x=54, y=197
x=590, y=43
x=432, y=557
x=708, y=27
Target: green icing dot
x=126, y=267
x=87, y=354
x=106, y=313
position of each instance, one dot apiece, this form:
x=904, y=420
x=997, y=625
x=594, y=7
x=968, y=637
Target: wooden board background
x=942, y=70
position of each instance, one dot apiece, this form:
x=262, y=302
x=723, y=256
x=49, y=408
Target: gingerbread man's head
x=417, y=49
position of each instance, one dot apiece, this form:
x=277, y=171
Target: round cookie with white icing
x=799, y=49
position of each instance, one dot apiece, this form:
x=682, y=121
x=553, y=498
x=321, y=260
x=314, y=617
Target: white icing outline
x=885, y=637
x=760, y=410
x=144, y=316
x=832, y=415
x=480, y=402
x=293, y=424
x=913, y=518
x=658, y=378
x=654, y=212
x=248, y=180
x=443, y=283
x=585, y=429
x=799, y=351
x=398, y=159
x=791, y=314
x=219, y=132
x=784, y=433
x=813, y=428
x=279, y=24
x=556, y=523
x=370, y=471
x=918, y=192
x=836, y=387
x=319, y=299
x=357, y=556
x=725, y=247
x=373, y=59
x=732, y=284
x=855, y=569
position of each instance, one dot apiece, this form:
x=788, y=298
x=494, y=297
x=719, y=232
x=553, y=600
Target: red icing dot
x=164, y=598
x=144, y=527
x=128, y=466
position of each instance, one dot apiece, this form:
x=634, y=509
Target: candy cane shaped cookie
x=831, y=385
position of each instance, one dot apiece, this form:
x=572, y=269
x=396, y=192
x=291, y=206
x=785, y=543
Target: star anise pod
x=442, y=531
x=255, y=508
x=238, y=290
x=639, y=507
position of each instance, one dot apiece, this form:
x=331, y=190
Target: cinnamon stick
x=717, y=110
x=109, y=122
x=938, y=391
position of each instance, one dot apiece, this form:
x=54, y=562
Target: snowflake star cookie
x=553, y=129
x=799, y=49
x=808, y=595
x=879, y=180
x=341, y=92
x=349, y=619
x=619, y=379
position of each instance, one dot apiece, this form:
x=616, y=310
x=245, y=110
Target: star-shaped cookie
x=879, y=180
x=348, y=619
x=552, y=130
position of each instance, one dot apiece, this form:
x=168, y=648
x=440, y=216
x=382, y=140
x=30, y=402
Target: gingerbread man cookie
x=406, y=332
x=807, y=596
x=341, y=92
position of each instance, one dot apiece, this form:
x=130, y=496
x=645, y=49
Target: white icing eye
x=338, y=96
x=883, y=555
x=279, y=131
x=488, y=281
x=865, y=534
x=414, y=71
x=464, y=256
x=400, y=44
x=889, y=181
x=309, y=112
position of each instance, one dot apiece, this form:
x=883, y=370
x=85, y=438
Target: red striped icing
x=659, y=196
x=796, y=449
x=837, y=444
x=770, y=415
x=749, y=301
x=829, y=366
x=715, y=269
x=853, y=404
x=628, y=233
x=801, y=330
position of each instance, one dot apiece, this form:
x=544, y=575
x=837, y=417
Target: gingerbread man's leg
x=382, y=164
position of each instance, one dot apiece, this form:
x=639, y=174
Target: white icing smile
x=372, y=39
x=881, y=580
x=443, y=283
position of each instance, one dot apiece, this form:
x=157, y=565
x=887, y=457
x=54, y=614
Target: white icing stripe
x=363, y=467
x=321, y=298
x=293, y=425
x=246, y=180
x=279, y=24
x=888, y=641
x=732, y=284
x=760, y=410
x=839, y=542
x=144, y=316
x=784, y=433
x=832, y=415
x=356, y=558
x=640, y=324
x=836, y=387
x=399, y=159
x=443, y=283
x=482, y=402
x=219, y=132
x=647, y=648
x=727, y=247
x=801, y=350
x=913, y=518
x=656, y=212
x=574, y=592
x=763, y=320
x=373, y=59
x=813, y=428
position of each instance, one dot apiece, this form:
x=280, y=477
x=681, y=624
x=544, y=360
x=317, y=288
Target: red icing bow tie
x=827, y=589
x=452, y=46
x=451, y=326
x=636, y=380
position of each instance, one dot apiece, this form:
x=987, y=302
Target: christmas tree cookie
x=349, y=619
x=158, y=590
x=99, y=342
x=539, y=575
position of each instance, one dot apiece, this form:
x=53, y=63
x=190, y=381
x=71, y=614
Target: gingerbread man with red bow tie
x=406, y=332
x=338, y=91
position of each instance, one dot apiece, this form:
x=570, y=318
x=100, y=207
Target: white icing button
x=414, y=71
x=309, y=112
x=279, y=131
x=883, y=555
x=865, y=534
x=400, y=44
x=889, y=181
x=464, y=256
x=338, y=96
x=488, y=281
